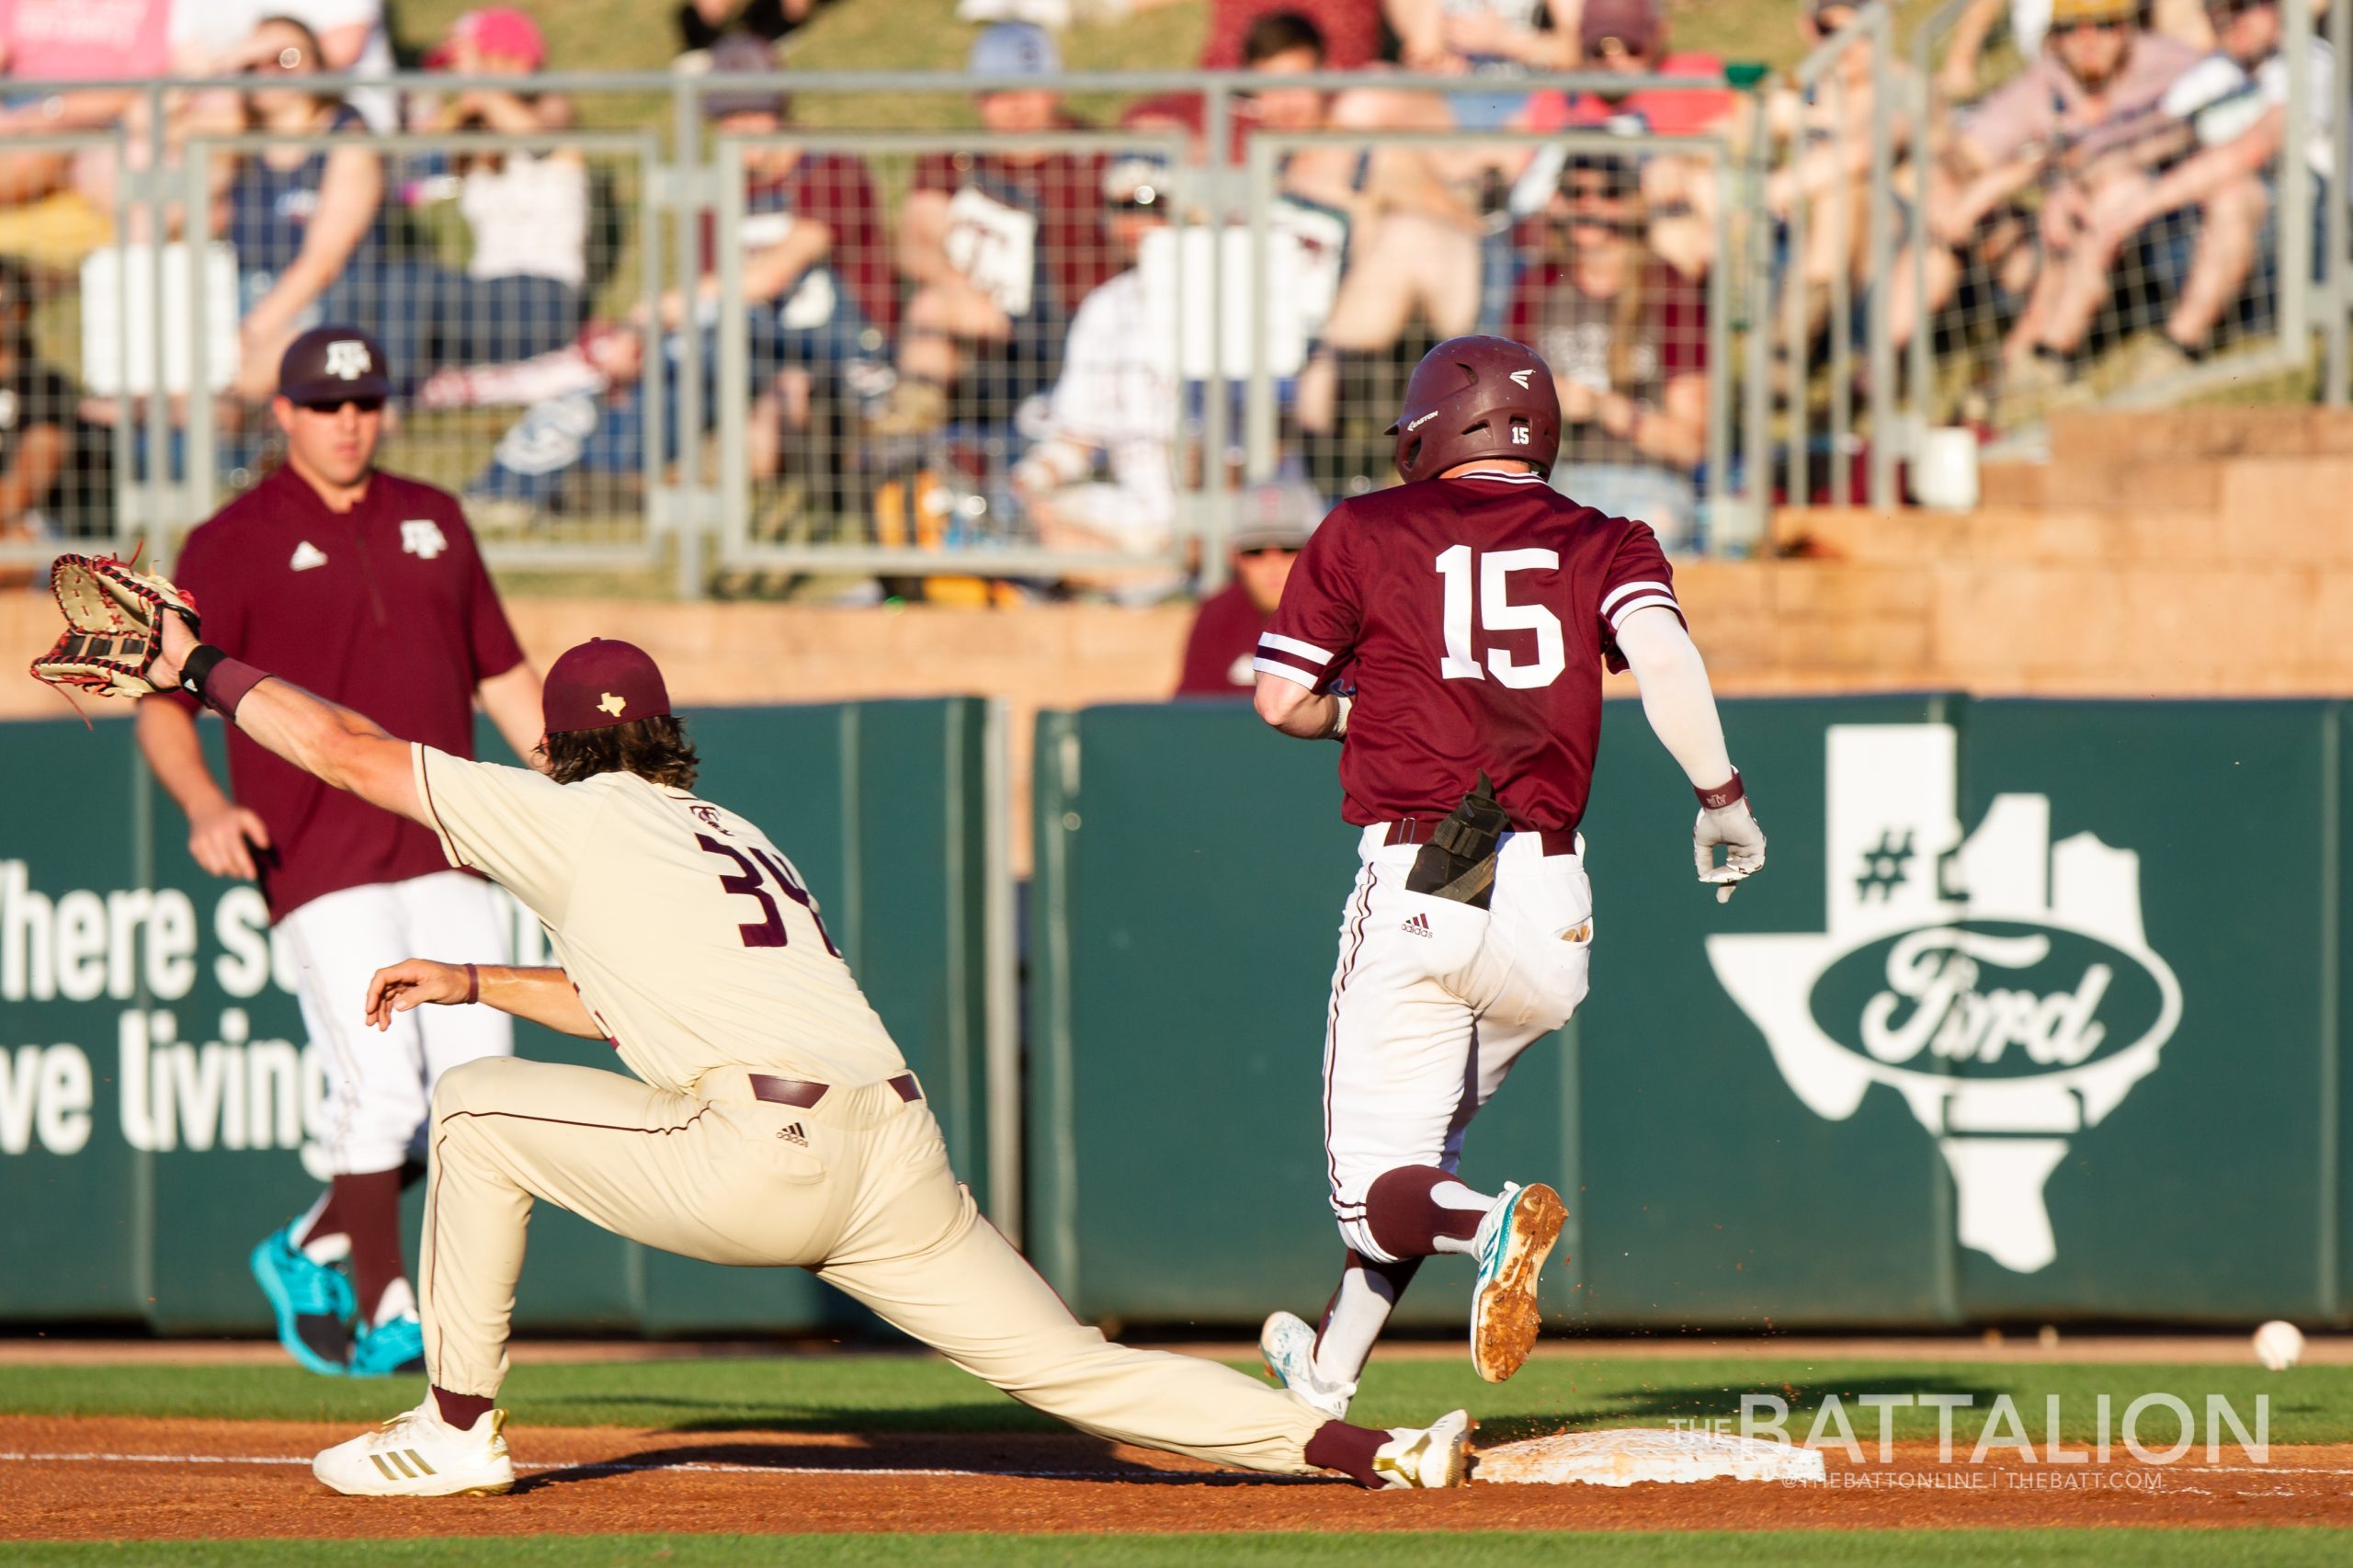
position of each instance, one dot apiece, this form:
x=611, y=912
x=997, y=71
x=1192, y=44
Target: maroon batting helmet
x=1477, y=397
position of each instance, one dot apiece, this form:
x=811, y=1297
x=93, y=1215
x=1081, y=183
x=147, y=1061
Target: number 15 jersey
x=692, y=941
x=1473, y=616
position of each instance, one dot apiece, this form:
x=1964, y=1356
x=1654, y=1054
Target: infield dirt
x=70, y=1479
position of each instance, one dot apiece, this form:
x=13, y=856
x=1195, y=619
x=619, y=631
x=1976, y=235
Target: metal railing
x=720, y=444
x=1822, y=191
x=705, y=487
x=451, y=432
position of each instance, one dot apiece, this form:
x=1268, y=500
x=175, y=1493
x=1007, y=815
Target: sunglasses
x=1267, y=552
x=364, y=404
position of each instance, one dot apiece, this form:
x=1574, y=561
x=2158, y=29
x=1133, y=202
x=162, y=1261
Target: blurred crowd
x=1009, y=340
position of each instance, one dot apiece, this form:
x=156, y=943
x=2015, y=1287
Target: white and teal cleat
x=1511, y=1245
x=1288, y=1345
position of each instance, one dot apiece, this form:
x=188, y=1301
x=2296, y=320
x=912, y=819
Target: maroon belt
x=803, y=1093
x=1417, y=830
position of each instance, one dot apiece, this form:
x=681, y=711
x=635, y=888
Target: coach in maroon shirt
x=1272, y=527
x=366, y=588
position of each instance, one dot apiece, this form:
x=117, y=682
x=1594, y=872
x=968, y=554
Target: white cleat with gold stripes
x=417, y=1454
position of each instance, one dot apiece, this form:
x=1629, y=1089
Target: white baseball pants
x=380, y=1086
x=1433, y=1002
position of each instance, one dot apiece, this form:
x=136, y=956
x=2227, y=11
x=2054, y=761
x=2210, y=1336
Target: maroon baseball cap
x=601, y=683
x=329, y=364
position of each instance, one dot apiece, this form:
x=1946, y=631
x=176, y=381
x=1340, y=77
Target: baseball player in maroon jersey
x=366, y=586
x=1473, y=609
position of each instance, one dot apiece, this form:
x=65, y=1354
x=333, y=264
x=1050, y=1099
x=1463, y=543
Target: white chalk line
x=706, y=1467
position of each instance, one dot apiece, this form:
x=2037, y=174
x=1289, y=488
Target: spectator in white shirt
x=1103, y=477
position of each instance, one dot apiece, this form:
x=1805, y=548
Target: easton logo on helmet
x=1484, y=397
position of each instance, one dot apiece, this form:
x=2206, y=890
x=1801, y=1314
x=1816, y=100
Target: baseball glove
x=98, y=593
x=113, y=626
x=104, y=664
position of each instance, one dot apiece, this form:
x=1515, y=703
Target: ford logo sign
x=1987, y=999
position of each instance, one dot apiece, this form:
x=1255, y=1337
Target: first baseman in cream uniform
x=770, y=1120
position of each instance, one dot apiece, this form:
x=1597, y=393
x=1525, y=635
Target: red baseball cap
x=601, y=683
x=494, y=29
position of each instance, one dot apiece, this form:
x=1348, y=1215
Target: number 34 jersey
x=1473, y=617
x=692, y=941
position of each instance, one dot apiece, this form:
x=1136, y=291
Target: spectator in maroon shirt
x=1000, y=247
x=366, y=588
x=1272, y=527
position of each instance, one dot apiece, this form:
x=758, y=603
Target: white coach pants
x=1433, y=1001
x=379, y=1086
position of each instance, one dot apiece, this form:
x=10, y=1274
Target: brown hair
x=1634, y=241
x=655, y=749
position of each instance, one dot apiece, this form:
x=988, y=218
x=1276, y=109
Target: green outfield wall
x=2035, y=1015
x=156, y=1090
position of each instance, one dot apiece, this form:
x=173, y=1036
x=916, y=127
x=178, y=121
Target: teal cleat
x=312, y=1302
x=396, y=1345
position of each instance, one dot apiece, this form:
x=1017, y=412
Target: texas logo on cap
x=601, y=683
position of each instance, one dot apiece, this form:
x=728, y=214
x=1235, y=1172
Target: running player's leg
x=751, y=1184
x=923, y=1258
x=1433, y=1004
x=1529, y=977
x=1398, y=1074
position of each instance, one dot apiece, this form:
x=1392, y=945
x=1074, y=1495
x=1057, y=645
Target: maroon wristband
x=227, y=684
x=473, y=985
x=1722, y=795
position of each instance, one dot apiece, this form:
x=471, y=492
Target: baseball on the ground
x=2278, y=1345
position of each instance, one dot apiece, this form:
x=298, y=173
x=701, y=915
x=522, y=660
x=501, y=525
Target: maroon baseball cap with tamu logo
x=330, y=365
x=601, y=683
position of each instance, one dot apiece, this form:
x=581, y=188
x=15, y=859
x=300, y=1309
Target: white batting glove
x=1725, y=819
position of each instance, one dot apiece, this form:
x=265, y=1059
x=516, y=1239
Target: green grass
x=913, y=1393
x=1915, y=1549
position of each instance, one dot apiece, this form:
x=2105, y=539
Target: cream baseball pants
x=854, y=1187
